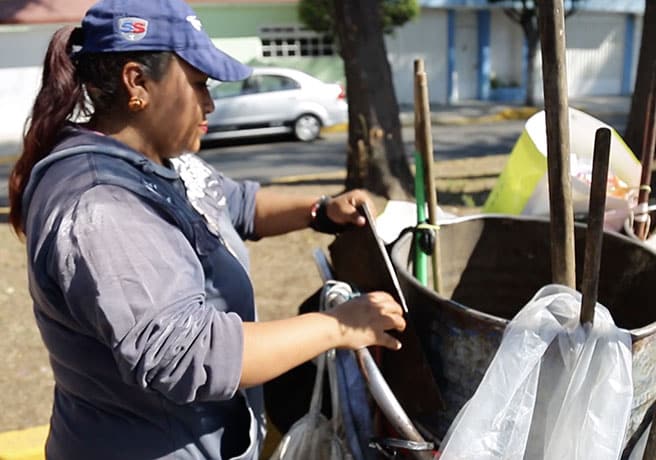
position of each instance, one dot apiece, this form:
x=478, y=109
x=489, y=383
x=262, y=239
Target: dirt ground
x=283, y=271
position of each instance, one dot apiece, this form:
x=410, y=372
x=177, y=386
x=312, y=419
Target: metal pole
x=595, y=231
x=424, y=143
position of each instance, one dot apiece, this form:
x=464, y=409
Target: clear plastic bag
x=554, y=390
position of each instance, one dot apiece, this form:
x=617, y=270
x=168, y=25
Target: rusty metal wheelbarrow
x=491, y=266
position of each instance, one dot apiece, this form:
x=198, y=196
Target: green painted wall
x=226, y=21
x=234, y=29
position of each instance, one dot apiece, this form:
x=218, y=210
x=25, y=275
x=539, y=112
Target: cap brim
x=215, y=63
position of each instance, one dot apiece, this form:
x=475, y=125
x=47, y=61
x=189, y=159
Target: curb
x=505, y=114
x=7, y=160
x=28, y=444
x=444, y=119
x=338, y=128
x=286, y=180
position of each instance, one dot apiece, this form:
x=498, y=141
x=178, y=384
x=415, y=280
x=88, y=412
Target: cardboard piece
x=360, y=258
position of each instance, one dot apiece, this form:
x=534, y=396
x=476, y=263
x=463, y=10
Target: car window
x=226, y=89
x=269, y=83
x=251, y=85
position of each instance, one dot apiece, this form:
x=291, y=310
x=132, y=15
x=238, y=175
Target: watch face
x=318, y=204
x=315, y=208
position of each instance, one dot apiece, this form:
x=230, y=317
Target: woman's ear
x=134, y=80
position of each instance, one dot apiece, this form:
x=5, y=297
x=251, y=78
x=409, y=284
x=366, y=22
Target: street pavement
x=464, y=130
x=610, y=109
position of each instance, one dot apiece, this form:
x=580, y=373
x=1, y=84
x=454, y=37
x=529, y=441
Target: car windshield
x=226, y=89
x=252, y=85
x=275, y=83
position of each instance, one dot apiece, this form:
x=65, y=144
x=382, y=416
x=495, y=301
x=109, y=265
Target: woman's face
x=176, y=111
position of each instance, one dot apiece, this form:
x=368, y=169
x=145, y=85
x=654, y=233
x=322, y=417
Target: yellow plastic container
x=522, y=187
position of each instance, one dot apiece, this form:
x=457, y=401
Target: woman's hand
x=342, y=209
x=364, y=320
x=274, y=347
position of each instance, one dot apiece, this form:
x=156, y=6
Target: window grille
x=295, y=41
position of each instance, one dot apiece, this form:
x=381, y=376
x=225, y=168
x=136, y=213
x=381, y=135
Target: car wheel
x=307, y=128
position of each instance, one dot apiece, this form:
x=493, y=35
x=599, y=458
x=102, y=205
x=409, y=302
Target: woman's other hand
x=342, y=209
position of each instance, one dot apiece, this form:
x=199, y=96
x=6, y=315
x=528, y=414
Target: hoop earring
x=136, y=104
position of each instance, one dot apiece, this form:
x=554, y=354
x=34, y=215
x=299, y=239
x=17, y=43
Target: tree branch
x=513, y=14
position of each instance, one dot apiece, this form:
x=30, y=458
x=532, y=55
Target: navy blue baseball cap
x=157, y=25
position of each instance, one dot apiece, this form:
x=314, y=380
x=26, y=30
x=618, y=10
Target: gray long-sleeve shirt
x=139, y=301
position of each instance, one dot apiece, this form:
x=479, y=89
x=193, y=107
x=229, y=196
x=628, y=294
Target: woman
x=137, y=267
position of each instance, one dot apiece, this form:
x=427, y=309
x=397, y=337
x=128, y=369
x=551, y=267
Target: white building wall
x=22, y=49
x=595, y=53
x=424, y=38
x=465, y=85
x=637, y=37
x=506, y=49
x=595, y=50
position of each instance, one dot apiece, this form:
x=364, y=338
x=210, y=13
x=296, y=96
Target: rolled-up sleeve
x=240, y=198
x=133, y=281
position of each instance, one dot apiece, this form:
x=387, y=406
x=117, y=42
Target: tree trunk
x=636, y=124
x=376, y=157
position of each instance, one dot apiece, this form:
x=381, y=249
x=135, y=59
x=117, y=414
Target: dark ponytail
x=64, y=90
x=60, y=93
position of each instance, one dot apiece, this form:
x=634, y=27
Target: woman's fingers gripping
x=342, y=209
x=363, y=321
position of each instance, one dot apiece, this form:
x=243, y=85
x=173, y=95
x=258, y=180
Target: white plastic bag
x=399, y=215
x=313, y=436
x=554, y=390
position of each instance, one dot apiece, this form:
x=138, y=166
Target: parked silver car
x=275, y=101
